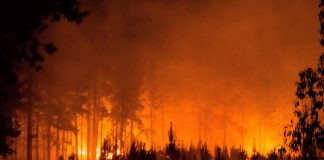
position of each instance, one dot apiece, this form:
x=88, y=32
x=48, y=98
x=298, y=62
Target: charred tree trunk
x=29, y=134
x=89, y=132
x=162, y=110
x=24, y=145
x=116, y=137
x=122, y=127
x=95, y=120
x=151, y=119
x=44, y=147
x=48, y=137
x=16, y=147
x=49, y=123
x=29, y=120
x=76, y=135
x=81, y=138
x=131, y=131
x=57, y=143
x=125, y=138
x=63, y=143
x=101, y=126
x=37, y=139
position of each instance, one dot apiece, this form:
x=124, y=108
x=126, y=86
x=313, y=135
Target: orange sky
x=236, y=60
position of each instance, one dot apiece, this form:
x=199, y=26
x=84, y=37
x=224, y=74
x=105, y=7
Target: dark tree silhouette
x=204, y=153
x=238, y=153
x=9, y=128
x=21, y=22
x=258, y=156
x=321, y=19
x=171, y=150
x=305, y=136
x=282, y=153
x=138, y=152
x=217, y=153
x=191, y=153
x=224, y=153
x=273, y=155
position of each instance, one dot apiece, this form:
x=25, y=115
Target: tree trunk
x=29, y=120
x=44, y=147
x=162, y=109
x=29, y=134
x=89, y=134
x=63, y=143
x=57, y=143
x=131, y=136
x=101, y=126
x=37, y=139
x=81, y=137
x=125, y=138
x=76, y=136
x=48, y=145
x=16, y=147
x=95, y=121
x=122, y=127
x=151, y=119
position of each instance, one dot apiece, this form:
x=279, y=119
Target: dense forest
x=91, y=80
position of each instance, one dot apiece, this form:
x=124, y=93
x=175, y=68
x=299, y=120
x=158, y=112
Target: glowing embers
x=110, y=155
x=82, y=154
x=98, y=153
x=118, y=152
x=111, y=150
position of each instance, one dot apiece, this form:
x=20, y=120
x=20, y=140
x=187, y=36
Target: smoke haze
x=219, y=68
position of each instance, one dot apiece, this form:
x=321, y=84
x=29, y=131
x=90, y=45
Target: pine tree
x=171, y=150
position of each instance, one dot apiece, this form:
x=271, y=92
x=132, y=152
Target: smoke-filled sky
x=232, y=64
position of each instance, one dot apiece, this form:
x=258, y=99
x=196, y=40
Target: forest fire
x=82, y=154
x=161, y=80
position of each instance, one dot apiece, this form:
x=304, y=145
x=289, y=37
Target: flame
x=118, y=152
x=82, y=154
x=110, y=155
x=98, y=152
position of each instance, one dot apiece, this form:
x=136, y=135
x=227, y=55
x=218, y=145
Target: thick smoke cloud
x=235, y=60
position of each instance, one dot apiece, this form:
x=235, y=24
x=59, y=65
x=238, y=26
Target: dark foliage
x=171, y=150
x=73, y=157
x=273, y=156
x=9, y=129
x=238, y=153
x=20, y=23
x=279, y=154
x=138, y=152
x=258, y=156
x=224, y=153
x=217, y=153
x=306, y=135
x=204, y=153
x=321, y=19
x=221, y=154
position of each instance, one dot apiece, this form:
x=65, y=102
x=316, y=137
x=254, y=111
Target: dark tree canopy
x=20, y=22
x=321, y=19
x=171, y=149
x=305, y=136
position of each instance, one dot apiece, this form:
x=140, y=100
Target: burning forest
x=161, y=80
